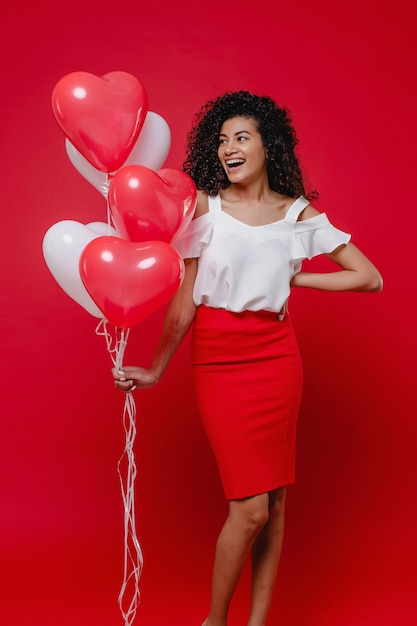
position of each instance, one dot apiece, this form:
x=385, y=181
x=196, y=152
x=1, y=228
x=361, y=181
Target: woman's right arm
x=178, y=320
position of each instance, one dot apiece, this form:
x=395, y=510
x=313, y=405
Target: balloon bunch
x=123, y=269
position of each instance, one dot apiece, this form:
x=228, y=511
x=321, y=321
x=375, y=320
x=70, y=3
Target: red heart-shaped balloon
x=147, y=205
x=129, y=281
x=101, y=116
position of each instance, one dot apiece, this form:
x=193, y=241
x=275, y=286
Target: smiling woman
x=272, y=124
x=243, y=252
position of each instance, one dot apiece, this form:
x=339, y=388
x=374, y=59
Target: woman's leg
x=245, y=521
x=266, y=552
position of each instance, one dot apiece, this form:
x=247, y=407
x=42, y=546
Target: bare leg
x=244, y=523
x=266, y=552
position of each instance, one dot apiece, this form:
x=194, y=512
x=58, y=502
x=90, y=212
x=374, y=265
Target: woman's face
x=241, y=151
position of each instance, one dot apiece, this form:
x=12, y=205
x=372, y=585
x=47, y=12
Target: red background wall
x=347, y=73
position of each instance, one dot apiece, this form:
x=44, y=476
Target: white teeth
x=235, y=162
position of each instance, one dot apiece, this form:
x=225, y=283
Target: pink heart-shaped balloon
x=147, y=205
x=101, y=116
x=129, y=281
x=151, y=149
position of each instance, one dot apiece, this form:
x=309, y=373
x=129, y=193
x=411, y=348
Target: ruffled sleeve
x=317, y=236
x=195, y=237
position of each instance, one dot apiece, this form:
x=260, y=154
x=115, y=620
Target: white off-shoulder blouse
x=243, y=267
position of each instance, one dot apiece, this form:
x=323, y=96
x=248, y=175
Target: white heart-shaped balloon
x=151, y=150
x=62, y=247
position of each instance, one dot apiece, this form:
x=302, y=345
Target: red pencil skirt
x=248, y=380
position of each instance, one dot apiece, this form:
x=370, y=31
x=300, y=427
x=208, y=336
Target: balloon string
x=127, y=471
x=133, y=558
x=105, y=191
x=116, y=344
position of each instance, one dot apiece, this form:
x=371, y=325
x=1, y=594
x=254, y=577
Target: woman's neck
x=253, y=193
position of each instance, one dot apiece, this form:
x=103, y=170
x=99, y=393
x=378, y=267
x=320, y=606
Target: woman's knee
x=252, y=513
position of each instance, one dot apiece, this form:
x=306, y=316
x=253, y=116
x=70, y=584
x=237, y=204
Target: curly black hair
x=278, y=136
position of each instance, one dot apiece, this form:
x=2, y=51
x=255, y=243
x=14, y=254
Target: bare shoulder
x=202, y=203
x=308, y=213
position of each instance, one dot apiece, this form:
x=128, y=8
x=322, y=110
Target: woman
x=243, y=252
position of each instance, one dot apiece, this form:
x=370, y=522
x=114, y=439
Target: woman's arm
x=178, y=320
x=357, y=273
